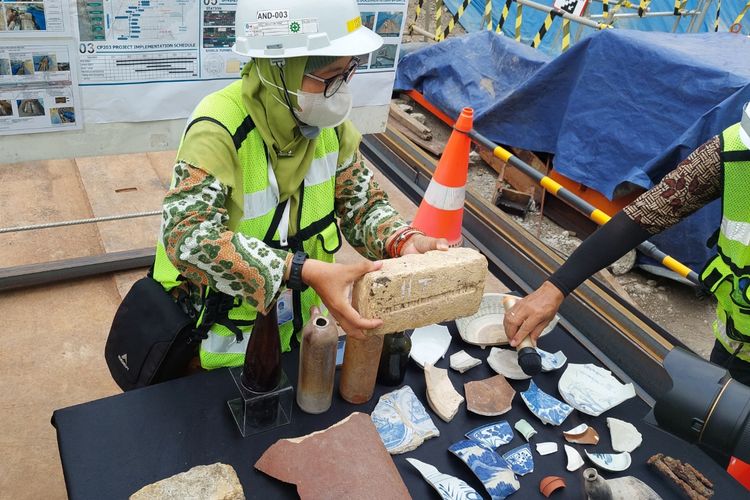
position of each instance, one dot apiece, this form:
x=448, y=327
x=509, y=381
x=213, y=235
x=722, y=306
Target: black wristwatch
x=295, y=273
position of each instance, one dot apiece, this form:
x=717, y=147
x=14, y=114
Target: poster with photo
x=32, y=18
x=38, y=88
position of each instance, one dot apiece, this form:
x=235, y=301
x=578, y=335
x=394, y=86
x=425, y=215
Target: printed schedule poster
x=146, y=60
x=32, y=18
x=38, y=89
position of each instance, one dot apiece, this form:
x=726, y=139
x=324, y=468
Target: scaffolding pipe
x=631, y=15
x=557, y=190
x=562, y=13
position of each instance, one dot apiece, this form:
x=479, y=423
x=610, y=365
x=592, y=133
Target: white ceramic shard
x=582, y=434
x=592, y=390
x=448, y=487
x=615, y=462
x=429, y=344
x=441, y=395
x=552, y=361
x=402, y=421
x=575, y=460
x=547, y=448
x=461, y=361
x=505, y=362
x=625, y=437
x=485, y=327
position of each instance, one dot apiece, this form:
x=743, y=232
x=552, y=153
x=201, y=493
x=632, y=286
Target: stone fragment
x=208, y=482
x=346, y=460
x=441, y=395
x=489, y=397
x=419, y=290
x=461, y=361
x=402, y=421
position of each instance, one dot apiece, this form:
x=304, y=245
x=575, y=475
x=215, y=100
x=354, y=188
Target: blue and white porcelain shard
x=492, y=435
x=402, y=421
x=505, y=362
x=552, y=361
x=520, y=460
x=494, y=472
x=615, y=462
x=429, y=344
x=548, y=409
x=448, y=487
x=592, y=390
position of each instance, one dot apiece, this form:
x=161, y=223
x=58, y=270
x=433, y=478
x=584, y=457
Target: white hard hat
x=293, y=28
x=745, y=126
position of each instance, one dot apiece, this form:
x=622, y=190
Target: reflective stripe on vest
x=736, y=231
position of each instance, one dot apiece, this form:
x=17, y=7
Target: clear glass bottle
x=317, y=363
x=393, y=359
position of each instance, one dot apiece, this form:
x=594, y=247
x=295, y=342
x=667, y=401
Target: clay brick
x=419, y=290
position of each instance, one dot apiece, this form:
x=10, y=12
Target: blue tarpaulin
x=619, y=107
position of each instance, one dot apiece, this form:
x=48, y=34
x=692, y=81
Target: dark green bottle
x=393, y=359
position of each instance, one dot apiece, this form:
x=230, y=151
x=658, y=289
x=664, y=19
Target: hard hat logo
x=295, y=28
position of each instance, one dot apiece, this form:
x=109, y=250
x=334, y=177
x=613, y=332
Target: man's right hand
x=532, y=314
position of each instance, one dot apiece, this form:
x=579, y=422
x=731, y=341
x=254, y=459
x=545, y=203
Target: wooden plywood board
x=163, y=163
x=38, y=193
x=123, y=184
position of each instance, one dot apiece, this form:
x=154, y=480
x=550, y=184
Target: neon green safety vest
x=727, y=275
x=318, y=235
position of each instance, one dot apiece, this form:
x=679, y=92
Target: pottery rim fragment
x=550, y=484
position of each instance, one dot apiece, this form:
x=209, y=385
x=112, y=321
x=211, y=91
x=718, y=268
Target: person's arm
x=692, y=185
x=199, y=244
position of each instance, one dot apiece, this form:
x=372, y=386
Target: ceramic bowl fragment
x=548, y=409
x=550, y=484
x=547, y=448
x=625, y=437
x=489, y=397
x=505, y=362
x=441, y=395
x=520, y=460
x=582, y=434
x=552, y=361
x=575, y=460
x=461, y=361
x=448, y=487
x=402, y=421
x=592, y=390
x=489, y=467
x=615, y=462
x=492, y=435
x=485, y=327
x=525, y=428
x=429, y=344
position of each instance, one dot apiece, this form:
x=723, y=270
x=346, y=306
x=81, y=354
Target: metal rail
x=620, y=336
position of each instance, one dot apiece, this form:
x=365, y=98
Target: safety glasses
x=333, y=84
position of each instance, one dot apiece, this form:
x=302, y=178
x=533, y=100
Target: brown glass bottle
x=262, y=369
x=360, y=368
x=393, y=359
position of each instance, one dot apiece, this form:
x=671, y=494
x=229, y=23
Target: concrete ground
x=52, y=339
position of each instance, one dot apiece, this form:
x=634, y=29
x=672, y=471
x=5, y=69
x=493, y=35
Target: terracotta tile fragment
x=347, y=460
x=550, y=484
x=489, y=397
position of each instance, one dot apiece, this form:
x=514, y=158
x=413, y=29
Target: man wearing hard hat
x=265, y=169
x=718, y=168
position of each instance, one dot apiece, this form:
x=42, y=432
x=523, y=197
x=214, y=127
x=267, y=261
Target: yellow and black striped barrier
x=737, y=21
x=503, y=16
x=565, y=34
x=487, y=19
x=718, y=15
x=643, y=7
x=454, y=19
x=439, y=9
x=593, y=213
x=418, y=11
x=544, y=28
x=519, y=21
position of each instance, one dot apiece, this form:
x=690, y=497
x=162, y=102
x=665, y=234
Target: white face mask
x=316, y=109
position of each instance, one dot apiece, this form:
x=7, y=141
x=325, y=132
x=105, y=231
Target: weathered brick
x=419, y=290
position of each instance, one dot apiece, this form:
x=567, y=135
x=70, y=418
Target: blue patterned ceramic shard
x=402, y=421
x=548, y=409
x=494, y=472
x=448, y=487
x=520, y=460
x=492, y=435
x=552, y=361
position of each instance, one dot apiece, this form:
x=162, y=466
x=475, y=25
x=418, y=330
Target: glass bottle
x=393, y=359
x=317, y=363
x=360, y=368
x=262, y=369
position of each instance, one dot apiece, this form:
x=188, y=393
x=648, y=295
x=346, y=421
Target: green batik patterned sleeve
x=366, y=217
x=199, y=244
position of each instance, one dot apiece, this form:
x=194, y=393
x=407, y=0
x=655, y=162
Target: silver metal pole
x=561, y=13
x=697, y=21
x=632, y=15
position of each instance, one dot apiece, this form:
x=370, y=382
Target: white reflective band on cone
x=736, y=231
x=224, y=344
x=444, y=197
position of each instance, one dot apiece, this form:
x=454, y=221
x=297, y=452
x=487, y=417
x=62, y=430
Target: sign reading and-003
x=273, y=15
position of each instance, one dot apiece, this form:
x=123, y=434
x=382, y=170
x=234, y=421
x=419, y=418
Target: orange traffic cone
x=442, y=209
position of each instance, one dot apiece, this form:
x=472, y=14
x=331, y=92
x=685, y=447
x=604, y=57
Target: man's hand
x=420, y=243
x=532, y=313
x=332, y=282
